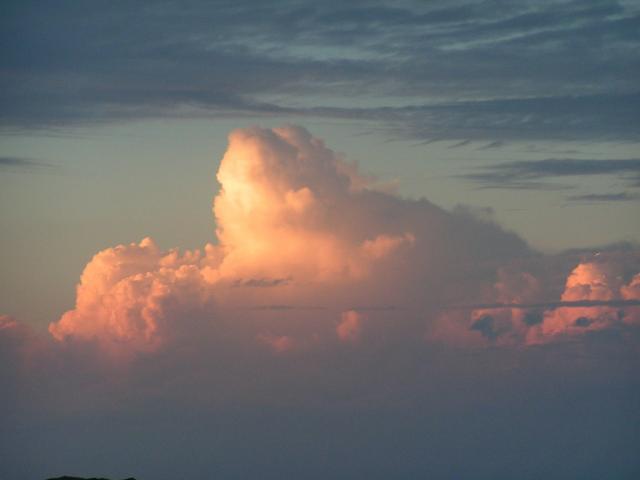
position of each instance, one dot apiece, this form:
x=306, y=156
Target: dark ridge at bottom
x=66, y=477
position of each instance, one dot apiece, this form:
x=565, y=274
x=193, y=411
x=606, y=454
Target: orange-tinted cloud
x=286, y=206
x=350, y=327
x=595, y=297
x=129, y=296
x=590, y=281
x=631, y=291
x=278, y=343
x=496, y=325
x=303, y=236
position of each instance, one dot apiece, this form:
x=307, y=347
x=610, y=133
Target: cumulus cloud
x=131, y=296
x=507, y=325
x=302, y=223
x=299, y=226
x=596, y=297
x=593, y=281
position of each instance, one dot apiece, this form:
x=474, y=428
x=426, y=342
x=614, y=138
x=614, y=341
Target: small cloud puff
x=350, y=328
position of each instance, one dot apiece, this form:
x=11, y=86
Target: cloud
x=537, y=173
x=428, y=71
x=553, y=117
x=596, y=281
x=505, y=323
x=130, y=295
x=597, y=296
x=262, y=282
x=302, y=224
x=308, y=238
x=350, y=327
x=603, y=197
x=19, y=164
x=279, y=344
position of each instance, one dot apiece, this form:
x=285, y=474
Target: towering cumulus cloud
x=306, y=245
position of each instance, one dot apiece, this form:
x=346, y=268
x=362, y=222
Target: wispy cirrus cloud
x=454, y=70
x=604, y=197
x=20, y=164
x=537, y=174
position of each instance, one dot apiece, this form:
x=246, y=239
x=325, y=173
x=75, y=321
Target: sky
x=320, y=239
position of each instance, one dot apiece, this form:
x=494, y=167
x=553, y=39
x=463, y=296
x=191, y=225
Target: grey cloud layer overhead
x=438, y=70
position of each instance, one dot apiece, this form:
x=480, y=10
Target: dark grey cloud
x=607, y=116
x=281, y=307
x=533, y=317
x=536, y=174
x=261, y=282
x=486, y=70
x=583, y=322
x=604, y=197
x=549, y=305
x=377, y=308
x=485, y=325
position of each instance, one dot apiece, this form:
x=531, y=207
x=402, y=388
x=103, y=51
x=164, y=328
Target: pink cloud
x=298, y=225
x=590, y=281
x=350, y=328
x=278, y=343
x=130, y=295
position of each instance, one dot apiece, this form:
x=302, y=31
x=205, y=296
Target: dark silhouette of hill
x=66, y=477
